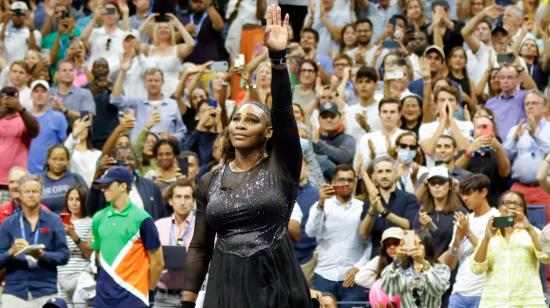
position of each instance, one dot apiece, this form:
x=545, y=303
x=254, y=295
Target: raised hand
x=493, y=11
x=276, y=33
x=520, y=220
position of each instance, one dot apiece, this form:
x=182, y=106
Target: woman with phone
x=80, y=148
x=510, y=255
x=78, y=227
x=415, y=275
x=247, y=203
x=166, y=152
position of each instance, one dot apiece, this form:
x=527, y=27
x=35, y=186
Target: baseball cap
x=55, y=302
x=393, y=232
x=439, y=172
x=19, y=5
x=329, y=107
x=40, y=82
x=116, y=174
x=436, y=48
x=499, y=28
x=442, y=3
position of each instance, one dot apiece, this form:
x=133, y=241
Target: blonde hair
x=172, y=35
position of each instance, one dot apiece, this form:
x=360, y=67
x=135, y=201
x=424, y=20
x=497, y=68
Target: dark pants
x=297, y=15
x=355, y=293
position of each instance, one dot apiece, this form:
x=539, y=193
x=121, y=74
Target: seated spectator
x=468, y=230
x=518, y=245
x=439, y=206
x=106, y=41
x=446, y=124
x=83, y=155
x=144, y=194
x=410, y=159
x=176, y=230
x=325, y=299
x=17, y=32
x=379, y=142
x=368, y=274
x=17, y=129
x=79, y=235
x=332, y=146
x=164, y=53
x=526, y=146
x=53, y=126
x=386, y=206
x=57, y=179
x=416, y=276
x=486, y=155
x=332, y=221
x=31, y=278
x=74, y=102
x=170, y=122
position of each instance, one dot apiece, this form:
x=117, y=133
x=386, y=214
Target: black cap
x=499, y=28
x=442, y=3
x=329, y=107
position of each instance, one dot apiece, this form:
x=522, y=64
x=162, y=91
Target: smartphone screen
x=183, y=163
x=239, y=60
x=65, y=218
x=389, y=44
x=503, y=222
x=110, y=10
x=340, y=190
x=220, y=66
x=505, y=58
x=486, y=127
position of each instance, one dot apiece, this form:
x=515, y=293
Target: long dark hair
x=383, y=260
x=429, y=249
x=82, y=195
x=452, y=205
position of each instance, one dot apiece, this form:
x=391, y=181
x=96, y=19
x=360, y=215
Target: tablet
x=174, y=257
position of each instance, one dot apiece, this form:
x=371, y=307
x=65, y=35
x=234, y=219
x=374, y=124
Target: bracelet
x=370, y=213
x=454, y=252
x=385, y=213
x=278, y=57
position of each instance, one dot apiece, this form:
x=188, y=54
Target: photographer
x=58, y=42
x=334, y=220
x=510, y=254
x=18, y=33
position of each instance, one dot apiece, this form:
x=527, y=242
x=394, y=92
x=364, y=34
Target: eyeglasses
x=512, y=204
x=404, y=146
x=306, y=70
x=108, y=46
x=437, y=182
x=341, y=64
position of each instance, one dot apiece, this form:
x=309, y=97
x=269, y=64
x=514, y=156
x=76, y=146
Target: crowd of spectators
x=423, y=116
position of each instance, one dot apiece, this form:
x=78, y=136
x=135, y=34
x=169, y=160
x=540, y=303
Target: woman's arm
x=186, y=48
x=542, y=174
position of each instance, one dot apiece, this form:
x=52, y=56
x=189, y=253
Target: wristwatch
x=384, y=213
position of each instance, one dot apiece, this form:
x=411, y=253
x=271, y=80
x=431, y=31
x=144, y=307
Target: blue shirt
x=78, y=99
x=54, y=191
x=53, y=130
x=526, y=154
x=307, y=196
x=40, y=281
x=170, y=116
x=402, y=204
x=507, y=111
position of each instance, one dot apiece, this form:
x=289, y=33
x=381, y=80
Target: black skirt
x=269, y=278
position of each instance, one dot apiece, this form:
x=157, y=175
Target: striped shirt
x=77, y=263
x=418, y=291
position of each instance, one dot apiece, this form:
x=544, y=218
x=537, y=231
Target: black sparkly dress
x=252, y=263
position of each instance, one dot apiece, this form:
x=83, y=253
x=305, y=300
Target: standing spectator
x=309, y=42
x=507, y=106
x=73, y=101
x=304, y=248
x=328, y=20
x=170, y=122
x=410, y=160
x=205, y=24
x=518, y=245
x=468, y=230
x=543, y=174
x=144, y=193
x=106, y=41
x=135, y=242
x=80, y=148
x=332, y=221
x=486, y=155
x=142, y=12
x=106, y=119
x=395, y=207
x=365, y=86
x=18, y=76
x=53, y=126
x=416, y=276
x=332, y=144
x=79, y=234
x=411, y=113
x=58, y=42
x=18, y=33
x=133, y=83
x=435, y=59
x=31, y=278
x=364, y=53
x=416, y=42
x=379, y=14
x=176, y=230
x=440, y=205
x=526, y=146
x=57, y=179
x=443, y=31
x=378, y=142
x=303, y=93
x=17, y=129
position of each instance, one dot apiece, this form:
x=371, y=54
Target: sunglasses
x=108, y=46
x=404, y=146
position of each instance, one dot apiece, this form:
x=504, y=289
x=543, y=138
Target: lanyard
x=179, y=241
x=199, y=25
x=36, y=229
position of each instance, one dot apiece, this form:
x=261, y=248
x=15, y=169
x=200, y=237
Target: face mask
x=305, y=144
x=406, y=156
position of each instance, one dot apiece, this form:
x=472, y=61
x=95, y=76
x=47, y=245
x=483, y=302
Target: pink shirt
x=14, y=145
x=172, y=279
